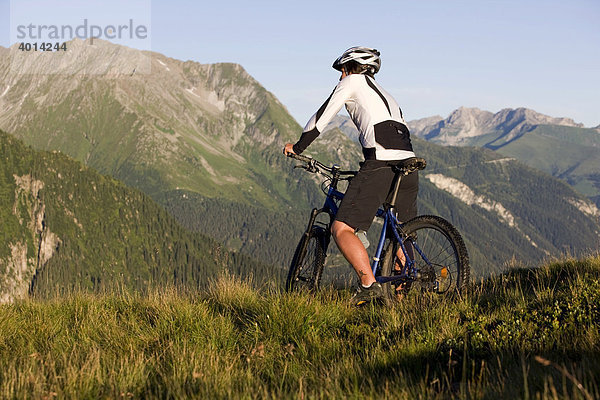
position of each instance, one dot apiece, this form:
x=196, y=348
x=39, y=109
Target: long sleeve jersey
x=383, y=131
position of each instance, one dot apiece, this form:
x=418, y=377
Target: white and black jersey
x=383, y=131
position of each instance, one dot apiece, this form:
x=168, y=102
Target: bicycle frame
x=390, y=222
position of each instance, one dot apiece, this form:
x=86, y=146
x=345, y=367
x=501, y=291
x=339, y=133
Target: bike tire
x=307, y=264
x=448, y=269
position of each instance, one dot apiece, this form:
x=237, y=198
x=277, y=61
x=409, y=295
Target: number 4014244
x=44, y=46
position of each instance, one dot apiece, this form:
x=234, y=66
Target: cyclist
x=385, y=140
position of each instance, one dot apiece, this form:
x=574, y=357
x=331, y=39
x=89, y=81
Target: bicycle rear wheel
x=307, y=264
x=439, y=253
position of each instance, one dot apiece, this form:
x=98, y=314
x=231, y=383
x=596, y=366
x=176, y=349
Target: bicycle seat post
x=394, y=192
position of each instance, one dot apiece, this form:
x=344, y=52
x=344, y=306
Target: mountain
x=466, y=126
x=66, y=227
x=178, y=126
x=205, y=142
x=345, y=125
x=484, y=194
x=418, y=125
x=176, y=130
x=558, y=146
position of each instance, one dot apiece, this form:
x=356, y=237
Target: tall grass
x=530, y=333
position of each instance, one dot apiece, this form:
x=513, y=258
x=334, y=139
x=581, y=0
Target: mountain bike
x=426, y=251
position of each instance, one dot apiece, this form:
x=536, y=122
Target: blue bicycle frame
x=390, y=221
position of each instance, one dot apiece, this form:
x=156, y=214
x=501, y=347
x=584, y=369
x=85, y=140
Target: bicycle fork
x=311, y=223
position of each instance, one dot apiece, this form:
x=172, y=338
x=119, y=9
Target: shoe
x=365, y=295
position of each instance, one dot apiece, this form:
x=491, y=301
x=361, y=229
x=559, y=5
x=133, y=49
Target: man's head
x=358, y=60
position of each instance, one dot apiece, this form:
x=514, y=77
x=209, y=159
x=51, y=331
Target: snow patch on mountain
x=192, y=92
x=504, y=160
x=5, y=91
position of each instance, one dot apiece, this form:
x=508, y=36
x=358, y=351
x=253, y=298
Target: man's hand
x=289, y=148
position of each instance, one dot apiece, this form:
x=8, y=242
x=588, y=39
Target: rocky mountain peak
x=530, y=117
x=469, y=120
x=418, y=125
x=468, y=116
x=465, y=124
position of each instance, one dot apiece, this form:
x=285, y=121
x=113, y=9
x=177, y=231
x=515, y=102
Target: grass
x=529, y=333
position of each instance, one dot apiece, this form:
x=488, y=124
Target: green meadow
x=527, y=333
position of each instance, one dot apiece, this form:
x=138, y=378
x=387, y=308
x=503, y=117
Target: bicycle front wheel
x=439, y=254
x=308, y=261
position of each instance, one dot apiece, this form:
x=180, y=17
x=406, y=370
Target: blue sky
x=436, y=55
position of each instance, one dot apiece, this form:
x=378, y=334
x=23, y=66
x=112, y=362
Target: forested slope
x=65, y=227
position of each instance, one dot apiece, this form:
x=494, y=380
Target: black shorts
x=369, y=189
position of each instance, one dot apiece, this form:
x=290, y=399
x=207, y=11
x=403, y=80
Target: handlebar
x=403, y=167
x=315, y=166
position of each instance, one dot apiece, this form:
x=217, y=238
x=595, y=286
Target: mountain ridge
x=465, y=123
x=558, y=146
x=187, y=107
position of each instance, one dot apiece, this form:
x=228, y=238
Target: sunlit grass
x=525, y=334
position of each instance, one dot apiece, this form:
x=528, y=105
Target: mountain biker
x=385, y=140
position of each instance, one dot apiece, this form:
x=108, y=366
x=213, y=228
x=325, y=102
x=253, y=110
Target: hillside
x=177, y=126
x=557, y=146
x=503, y=207
x=65, y=227
x=205, y=142
x=529, y=333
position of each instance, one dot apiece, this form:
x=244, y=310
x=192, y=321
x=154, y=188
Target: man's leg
x=354, y=251
x=400, y=260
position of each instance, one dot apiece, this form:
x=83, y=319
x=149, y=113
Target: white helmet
x=362, y=55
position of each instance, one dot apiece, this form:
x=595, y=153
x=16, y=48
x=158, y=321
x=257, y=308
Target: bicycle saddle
x=409, y=165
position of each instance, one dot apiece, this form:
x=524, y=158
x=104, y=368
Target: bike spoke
x=438, y=254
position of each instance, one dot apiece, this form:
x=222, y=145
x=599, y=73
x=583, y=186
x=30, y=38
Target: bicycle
x=426, y=250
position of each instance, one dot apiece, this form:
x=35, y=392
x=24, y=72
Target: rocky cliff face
x=466, y=124
x=65, y=227
x=17, y=270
